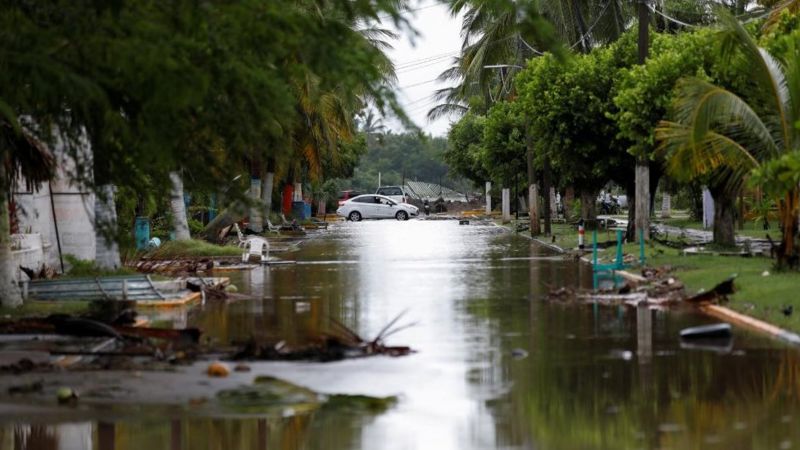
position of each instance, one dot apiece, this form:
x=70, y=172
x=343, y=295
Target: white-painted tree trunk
x=297, y=196
x=105, y=218
x=708, y=209
x=488, y=198
x=256, y=210
x=506, y=205
x=10, y=295
x=642, y=216
x=180, y=225
x=266, y=193
x=533, y=201
x=666, y=206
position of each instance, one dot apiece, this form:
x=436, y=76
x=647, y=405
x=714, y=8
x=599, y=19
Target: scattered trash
x=153, y=243
x=66, y=396
x=241, y=368
x=463, y=222
x=519, y=353
x=765, y=273
x=328, y=347
x=719, y=292
x=787, y=310
x=714, y=331
x=218, y=369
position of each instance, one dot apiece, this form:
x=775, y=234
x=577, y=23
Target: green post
x=620, y=259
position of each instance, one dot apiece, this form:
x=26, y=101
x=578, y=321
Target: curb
x=729, y=315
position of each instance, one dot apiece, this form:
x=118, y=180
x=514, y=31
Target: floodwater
x=496, y=365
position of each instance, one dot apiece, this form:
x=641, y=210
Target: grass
x=80, y=268
x=32, y=308
x=760, y=296
x=192, y=248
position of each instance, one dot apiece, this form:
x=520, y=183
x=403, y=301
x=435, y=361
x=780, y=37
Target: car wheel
x=401, y=215
x=355, y=216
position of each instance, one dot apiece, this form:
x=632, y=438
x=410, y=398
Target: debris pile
x=345, y=343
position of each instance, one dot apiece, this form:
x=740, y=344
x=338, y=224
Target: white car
x=371, y=206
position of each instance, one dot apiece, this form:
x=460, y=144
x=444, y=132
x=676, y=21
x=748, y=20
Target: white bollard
x=264, y=252
x=506, y=205
x=246, y=254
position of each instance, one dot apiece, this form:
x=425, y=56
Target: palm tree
x=326, y=108
x=716, y=132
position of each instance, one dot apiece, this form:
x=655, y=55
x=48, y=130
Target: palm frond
x=766, y=70
x=688, y=158
x=702, y=107
x=447, y=109
x=793, y=6
x=24, y=155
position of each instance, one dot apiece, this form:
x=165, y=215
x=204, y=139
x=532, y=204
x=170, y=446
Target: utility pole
x=642, y=200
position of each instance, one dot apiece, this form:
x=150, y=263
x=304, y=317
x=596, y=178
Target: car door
x=365, y=205
x=384, y=207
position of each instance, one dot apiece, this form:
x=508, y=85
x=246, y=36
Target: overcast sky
x=419, y=61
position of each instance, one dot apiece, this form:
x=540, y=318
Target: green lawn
x=32, y=308
x=192, y=248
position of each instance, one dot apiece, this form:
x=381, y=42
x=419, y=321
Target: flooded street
x=496, y=366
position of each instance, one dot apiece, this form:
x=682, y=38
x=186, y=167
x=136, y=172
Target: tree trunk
x=642, y=199
x=180, y=225
x=533, y=209
x=666, y=206
x=105, y=225
x=724, y=217
x=546, y=191
x=266, y=193
x=10, y=295
x=533, y=194
x=588, y=205
x=630, y=232
x=256, y=209
x=789, y=210
x=567, y=201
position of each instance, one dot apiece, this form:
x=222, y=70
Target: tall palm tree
x=715, y=131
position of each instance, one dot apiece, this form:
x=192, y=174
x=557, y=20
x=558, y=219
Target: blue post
x=212, y=207
x=141, y=232
x=641, y=247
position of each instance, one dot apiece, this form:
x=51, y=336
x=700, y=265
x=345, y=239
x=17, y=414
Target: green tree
x=717, y=131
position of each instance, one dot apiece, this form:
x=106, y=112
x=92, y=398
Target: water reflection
x=593, y=378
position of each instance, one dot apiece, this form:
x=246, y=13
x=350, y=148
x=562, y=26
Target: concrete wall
x=74, y=213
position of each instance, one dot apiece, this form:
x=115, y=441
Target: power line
x=388, y=16
x=589, y=31
x=419, y=84
x=415, y=61
x=671, y=19
x=425, y=63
